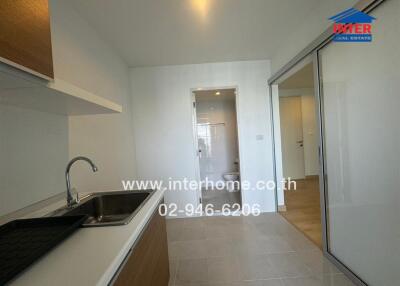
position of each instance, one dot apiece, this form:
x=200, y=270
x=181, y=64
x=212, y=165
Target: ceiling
x=304, y=78
x=211, y=95
x=167, y=32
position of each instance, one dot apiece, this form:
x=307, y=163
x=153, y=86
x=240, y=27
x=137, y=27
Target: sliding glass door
x=360, y=100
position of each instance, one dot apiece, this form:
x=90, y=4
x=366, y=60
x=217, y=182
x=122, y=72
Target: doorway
x=296, y=109
x=217, y=148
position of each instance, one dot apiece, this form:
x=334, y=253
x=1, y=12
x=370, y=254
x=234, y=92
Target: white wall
x=82, y=58
x=162, y=117
x=217, y=136
x=307, y=31
x=35, y=147
x=33, y=154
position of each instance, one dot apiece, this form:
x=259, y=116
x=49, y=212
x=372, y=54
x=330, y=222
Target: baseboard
x=282, y=208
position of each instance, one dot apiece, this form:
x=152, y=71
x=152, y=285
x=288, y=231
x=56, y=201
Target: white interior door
x=292, y=137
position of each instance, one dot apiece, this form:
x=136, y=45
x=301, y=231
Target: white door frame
x=277, y=145
x=195, y=139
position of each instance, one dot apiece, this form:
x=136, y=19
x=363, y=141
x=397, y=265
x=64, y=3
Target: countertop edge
x=80, y=260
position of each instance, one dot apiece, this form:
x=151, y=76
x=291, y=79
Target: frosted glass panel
x=361, y=101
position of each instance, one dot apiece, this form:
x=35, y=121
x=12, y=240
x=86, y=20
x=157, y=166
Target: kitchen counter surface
x=90, y=256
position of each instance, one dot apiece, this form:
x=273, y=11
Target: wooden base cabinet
x=147, y=264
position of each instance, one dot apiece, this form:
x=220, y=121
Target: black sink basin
x=112, y=208
x=24, y=241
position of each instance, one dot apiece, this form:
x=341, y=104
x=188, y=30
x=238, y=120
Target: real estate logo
x=352, y=25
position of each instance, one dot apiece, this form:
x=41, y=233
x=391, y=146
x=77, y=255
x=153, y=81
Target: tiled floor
x=249, y=251
x=220, y=197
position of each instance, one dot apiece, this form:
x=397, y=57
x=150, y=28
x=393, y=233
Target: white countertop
x=90, y=256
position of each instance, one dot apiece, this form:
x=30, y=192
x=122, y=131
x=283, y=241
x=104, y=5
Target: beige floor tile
x=257, y=267
x=303, y=281
x=336, y=280
x=318, y=264
x=224, y=221
x=195, y=222
x=191, y=233
x=223, y=269
x=269, y=229
x=173, y=267
x=218, y=231
x=191, y=271
x=250, y=247
x=271, y=244
x=264, y=218
x=245, y=231
x=175, y=222
x=173, y=233
x=327, y=280
x=174, y=227
x=299, y=242
x=288, y=265
x=269, y=282
x=222, y=247
x=206, y=284
x=192, y=249
x=247, y=251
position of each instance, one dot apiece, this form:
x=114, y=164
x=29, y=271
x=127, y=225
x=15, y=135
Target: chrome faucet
x=70, y=199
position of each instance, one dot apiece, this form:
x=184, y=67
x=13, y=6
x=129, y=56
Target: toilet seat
x=232, y=173
x=231, y=177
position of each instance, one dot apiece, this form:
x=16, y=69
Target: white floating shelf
x=24, y=90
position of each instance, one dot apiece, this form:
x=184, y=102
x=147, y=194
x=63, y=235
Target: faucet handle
x=76, y=199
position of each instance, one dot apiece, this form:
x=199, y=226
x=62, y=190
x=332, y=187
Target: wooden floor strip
x=303, y=209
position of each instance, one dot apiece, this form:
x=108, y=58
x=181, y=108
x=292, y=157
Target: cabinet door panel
x=25, y=38
x=148, y=263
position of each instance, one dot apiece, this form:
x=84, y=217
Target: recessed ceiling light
x=217, y=93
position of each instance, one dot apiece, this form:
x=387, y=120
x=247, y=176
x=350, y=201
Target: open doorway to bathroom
x=217, y=147
x=298, y=136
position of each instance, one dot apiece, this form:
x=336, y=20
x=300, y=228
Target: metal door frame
x=313, y=50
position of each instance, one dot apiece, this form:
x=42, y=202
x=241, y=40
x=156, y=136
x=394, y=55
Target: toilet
x=232, y=177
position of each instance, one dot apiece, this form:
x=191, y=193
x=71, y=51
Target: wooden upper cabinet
x=25, y=38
